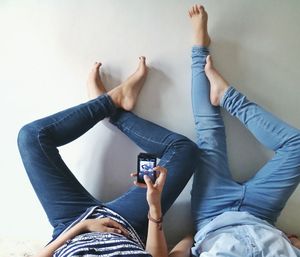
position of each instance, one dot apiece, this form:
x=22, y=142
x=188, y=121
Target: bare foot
x=199, y=18
x=218, y=84
x=125, y=95
x=94, y=83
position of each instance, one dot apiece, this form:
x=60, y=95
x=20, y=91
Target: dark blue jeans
x=60, y=193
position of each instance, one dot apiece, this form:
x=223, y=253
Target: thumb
x=148, y=182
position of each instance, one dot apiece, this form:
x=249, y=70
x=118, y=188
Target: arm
x=50, y=248
x=295, y=241
x=156, y=243
x=183, y=248
x=100, y=225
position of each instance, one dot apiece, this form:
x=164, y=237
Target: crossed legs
x=61, y=195
x=214, y=191
x=176, y=152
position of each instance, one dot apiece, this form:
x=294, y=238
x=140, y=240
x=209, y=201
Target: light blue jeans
x=214, y=191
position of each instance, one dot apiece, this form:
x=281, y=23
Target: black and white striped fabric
x=103, y=244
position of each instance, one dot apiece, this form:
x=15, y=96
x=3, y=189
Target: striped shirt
x=106, y=244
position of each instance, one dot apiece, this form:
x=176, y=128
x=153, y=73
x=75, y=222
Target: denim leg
x=177, y=154
x=213, y=189
x=209, y=123
x=61, y=195
x=268, y=191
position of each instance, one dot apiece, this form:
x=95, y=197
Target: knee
x=293, y=144
x=209, y=140
x=191, y=148
x=185, y=145
x=27, y=136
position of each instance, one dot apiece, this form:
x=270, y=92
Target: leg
x=61, y=195
x=267, y=192
x=213, y=178
x=177, y=153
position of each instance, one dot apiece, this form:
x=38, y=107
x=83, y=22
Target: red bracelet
x=158, y=222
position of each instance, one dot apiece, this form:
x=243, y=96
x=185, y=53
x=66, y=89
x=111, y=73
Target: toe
x=194, y=10
x=142, y=59
x=200, y=8
x=97, y=65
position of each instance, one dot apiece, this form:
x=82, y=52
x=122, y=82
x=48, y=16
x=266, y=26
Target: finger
x=161, y=178
x=133, y=174
x=157, y=170
x=113, y=224
x=113, y=230
x=159, y=183
x=148, y=182
x=142, y=185
x=105, y=220
x=293, y=240
x=160, y=169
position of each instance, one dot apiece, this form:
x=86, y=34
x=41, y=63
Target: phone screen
x=146, y=164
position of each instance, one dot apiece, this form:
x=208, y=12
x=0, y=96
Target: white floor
x=47, y=48
x=13, y=247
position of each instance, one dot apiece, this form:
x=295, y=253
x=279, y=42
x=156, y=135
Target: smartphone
x=145, y=165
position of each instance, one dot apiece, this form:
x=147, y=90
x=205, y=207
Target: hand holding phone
x=145, y=166
x=155, y=179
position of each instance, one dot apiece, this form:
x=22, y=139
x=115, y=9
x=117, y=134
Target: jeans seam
x=274, y=134
x=172, y=155
x=143, y=137
x=40, y=131
x=153, y=141
x=67, y=116
x=48, y=157
x=163, y=144
x=243, y=195
x=285, y=138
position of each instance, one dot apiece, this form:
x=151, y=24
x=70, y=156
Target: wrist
x=155, y=212
x=84, y=226
x=156, y=219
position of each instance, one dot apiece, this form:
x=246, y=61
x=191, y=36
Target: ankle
x=115, y=97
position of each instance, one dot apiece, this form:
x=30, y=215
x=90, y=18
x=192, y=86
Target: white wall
x=48, y=47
